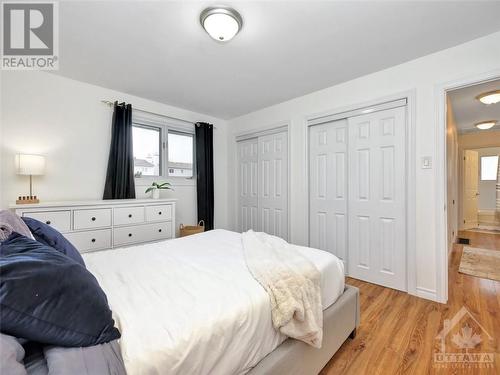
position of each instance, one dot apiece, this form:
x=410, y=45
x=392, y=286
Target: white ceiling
x=467, y=110
x=159, y=51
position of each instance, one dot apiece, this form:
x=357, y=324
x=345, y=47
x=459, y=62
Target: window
x=160, y=151
x=147, y=150
x=489, y=168
x=180, y=154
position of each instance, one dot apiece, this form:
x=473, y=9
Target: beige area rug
x=480, y=262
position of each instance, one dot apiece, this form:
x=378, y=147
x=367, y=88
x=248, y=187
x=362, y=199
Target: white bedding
x=190, y=305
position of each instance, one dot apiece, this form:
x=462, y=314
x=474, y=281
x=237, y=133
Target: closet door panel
x=377, y=196
x=247, y=185
x=273, y=184
x=328, y=188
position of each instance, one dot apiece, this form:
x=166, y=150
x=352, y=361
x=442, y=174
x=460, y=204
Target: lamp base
x=27, y=200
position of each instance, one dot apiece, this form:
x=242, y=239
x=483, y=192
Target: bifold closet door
x=328, y=187
x=377, y=197
x=248, y=151
x=273, y=184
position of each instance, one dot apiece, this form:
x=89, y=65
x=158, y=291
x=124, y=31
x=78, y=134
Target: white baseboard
x=427, y=294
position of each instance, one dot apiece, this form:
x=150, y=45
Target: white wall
x=422, y=75
x=64, y=120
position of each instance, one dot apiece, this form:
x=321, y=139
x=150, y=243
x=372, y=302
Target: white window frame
x=481, y=167
x=165, y=125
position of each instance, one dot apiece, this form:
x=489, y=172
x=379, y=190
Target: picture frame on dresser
x=106, y=224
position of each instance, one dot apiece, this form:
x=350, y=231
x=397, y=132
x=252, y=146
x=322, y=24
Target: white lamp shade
x=30, y=164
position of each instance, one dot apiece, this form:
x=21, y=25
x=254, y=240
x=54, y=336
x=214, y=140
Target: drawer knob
x=159, y=213
x=47, y=222
x=93, y=218
x=130, y=234
x=129, y=215
x=159, y=230
x=93, y=239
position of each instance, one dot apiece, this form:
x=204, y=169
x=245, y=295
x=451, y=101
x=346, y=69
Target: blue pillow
x=51, y=237
x=49, y=298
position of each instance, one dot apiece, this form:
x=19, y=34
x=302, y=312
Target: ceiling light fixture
x=484, y=125
x=490, y=97
x=221, y=23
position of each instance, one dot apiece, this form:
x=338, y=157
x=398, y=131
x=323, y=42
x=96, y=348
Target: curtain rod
x=110, y=103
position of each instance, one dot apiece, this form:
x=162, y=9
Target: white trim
x=261, y=132
x=426, y=293
x=363, y=110
x=440, y=174
x=279, y=127
x=398, y=99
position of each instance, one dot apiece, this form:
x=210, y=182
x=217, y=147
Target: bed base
x=340, y=321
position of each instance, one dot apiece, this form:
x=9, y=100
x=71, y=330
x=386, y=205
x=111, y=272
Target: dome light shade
x=484, y=125
x=222, y=24
x=490, y=97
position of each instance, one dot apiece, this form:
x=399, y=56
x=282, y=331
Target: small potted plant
x=156, y=187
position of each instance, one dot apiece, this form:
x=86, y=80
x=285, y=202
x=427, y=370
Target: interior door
x=377, y=196
x=471, y=188
x=273, y=184
x=328, y=188
x=248, y=185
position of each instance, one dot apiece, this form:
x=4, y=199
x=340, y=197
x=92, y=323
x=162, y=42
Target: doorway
x=473, y=178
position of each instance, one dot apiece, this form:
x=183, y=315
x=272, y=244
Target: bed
x=190, y=306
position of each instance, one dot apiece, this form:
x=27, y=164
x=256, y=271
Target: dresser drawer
x=60, y=220
x=90, y=240
x=87, y=219
x=128, y=215
x=142, y=233
x=159, y=213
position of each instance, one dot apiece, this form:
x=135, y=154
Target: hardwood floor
x=398, y=331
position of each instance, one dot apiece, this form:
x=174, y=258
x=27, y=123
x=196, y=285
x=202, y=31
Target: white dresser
x=104, y=224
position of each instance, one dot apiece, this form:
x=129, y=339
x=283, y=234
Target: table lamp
x=29, y=165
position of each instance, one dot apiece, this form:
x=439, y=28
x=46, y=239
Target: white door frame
x=282, y=126
x=441, y=183
x=410, y=96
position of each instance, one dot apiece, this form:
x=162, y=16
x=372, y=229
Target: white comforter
x=190, y=305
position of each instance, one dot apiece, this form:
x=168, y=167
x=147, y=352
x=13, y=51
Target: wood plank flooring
x=398, y=331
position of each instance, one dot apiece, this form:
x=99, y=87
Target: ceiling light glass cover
x=490, y=97
x=484, y=125
x=222, y=24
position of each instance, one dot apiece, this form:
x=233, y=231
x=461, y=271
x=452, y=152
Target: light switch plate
x=426, y=162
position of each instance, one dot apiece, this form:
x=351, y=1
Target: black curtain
x=120, y=175
x=204, y=135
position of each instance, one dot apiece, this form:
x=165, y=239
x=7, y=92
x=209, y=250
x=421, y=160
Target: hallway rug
x=480, y=262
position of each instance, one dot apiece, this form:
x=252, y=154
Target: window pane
x=180, y=155
x=147, y=151
x=489, y=168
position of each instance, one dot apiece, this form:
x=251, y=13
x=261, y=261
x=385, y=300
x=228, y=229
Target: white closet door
x=377, y=230
x=328, y=188
x=247, y=185
x=273, y=184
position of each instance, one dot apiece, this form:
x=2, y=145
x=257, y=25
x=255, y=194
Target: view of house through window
x=180, y=154
x=149, y=155
x=147, y=151
x=489, y=168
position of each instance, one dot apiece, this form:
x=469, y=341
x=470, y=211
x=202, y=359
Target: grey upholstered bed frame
x=292, y=357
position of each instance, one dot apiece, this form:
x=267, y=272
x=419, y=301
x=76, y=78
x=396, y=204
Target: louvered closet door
x=273, y=184
x=377, y=229
x=248, y=185
x=328, y=188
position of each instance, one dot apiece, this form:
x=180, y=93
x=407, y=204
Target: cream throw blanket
x=292, y=282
